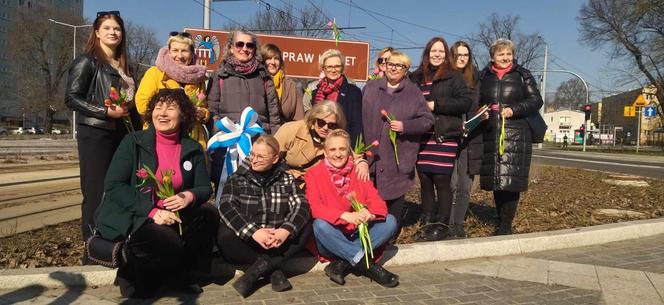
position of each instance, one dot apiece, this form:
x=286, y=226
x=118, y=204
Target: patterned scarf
x=278, y=80
x=327, y=90
x=243, y=68
x=341, y=176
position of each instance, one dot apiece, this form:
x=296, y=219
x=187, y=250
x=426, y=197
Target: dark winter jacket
x=407, y=105
x=350, y=99
x=88, y=85
x=239, y=91
x=124, y=208
x=248, y=204
x=472, y=143
x=517, y=90
x=452, y=99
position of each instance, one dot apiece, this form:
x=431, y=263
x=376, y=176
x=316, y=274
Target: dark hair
x=425, y=64
x=177, y=96
x=92, y=46
x=468, y=71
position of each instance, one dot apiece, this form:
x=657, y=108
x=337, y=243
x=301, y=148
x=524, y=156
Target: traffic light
x=587, y=109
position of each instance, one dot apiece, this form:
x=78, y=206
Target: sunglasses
x=104, y=13
x=381, y=60
x=330, y=125
x=183, y=34
x=242, y=44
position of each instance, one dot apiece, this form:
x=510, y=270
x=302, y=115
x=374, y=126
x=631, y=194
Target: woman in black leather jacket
x=512, y=93
x=100, y=128
x=448, y=98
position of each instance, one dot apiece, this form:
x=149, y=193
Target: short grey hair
x=332, y=53
x=499, y=44
x=230, y=41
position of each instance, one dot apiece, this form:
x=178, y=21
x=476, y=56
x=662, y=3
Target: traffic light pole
x=586, y=130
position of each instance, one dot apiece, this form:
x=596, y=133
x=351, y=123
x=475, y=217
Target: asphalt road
x=646, y=166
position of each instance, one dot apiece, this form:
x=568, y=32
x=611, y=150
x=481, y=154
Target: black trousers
x=96, y=147
x=396, y=208
x=506, y=205
x=238, y=251
x=158, y=252
x=436, y=195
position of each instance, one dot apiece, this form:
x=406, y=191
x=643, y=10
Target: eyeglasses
x=332, y=68
x=104, y=13
x=183, y=34
x=330, y=125
x=382, y=60
x=395, y=66
x=259, y=158
x=242, y=44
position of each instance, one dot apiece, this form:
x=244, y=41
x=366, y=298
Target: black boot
x=378, y=274
x=246, y=284
x=436, y=232
x=337, y=271
x=427, y=218
x=457, y=231
x=279, y=281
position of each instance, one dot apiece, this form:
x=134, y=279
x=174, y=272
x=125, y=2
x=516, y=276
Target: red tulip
x=368, y=153
x=114, y=95
x=142, y=174
x=384, y=113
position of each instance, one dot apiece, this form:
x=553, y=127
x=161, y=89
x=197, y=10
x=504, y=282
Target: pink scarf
x=341, y=176
x=243, y=68
x=192, y=74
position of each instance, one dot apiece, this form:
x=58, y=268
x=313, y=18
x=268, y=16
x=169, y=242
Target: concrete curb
x=402, y=255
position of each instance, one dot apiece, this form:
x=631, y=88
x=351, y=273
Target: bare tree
x=528, y=48
x=143, y=46
x=634, y=29
x=41, y=54
x=287, y=20
x=569, y=94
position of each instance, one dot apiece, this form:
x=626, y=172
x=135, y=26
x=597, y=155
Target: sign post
x=300, y=54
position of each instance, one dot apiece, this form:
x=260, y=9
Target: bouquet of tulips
x=362, y=229
x=361, y=148
x=163, y=186
x=376, y=74
x=119, y=99
x=198, y=99
x=393, y=134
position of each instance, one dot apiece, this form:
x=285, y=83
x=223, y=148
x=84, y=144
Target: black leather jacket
x=88, y=85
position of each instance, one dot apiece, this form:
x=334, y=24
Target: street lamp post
x=546, y=61
x=207, y=9
x=75, y=27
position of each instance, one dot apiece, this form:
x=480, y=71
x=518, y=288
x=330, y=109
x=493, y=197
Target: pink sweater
x=168, y=158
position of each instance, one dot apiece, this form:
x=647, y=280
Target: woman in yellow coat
x=174, y=68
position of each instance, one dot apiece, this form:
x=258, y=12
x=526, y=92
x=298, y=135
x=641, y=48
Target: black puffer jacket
x=452, y=99
x=517, y=90
x=472, y=144
x=88, y=85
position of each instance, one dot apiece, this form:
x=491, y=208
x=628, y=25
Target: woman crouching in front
x=330, y=184
x=166, y=238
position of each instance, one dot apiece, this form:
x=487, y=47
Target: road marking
x=601, y=162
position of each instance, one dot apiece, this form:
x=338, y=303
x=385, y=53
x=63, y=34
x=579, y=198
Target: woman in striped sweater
x=448, y=98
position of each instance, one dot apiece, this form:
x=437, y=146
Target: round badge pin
x=187, y=165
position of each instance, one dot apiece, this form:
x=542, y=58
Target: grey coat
x=239, y=91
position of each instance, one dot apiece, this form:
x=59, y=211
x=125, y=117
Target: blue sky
x=555, y=20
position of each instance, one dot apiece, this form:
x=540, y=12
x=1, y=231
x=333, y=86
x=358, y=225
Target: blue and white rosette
x=236, y=138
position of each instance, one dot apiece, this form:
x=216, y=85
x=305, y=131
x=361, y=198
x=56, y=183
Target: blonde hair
x=332, y=53
x=400, y=57
x=338, y=133
x=181, y=39
x=499, y=44
x=270, y=141
x=381, y=53
x=323, y=109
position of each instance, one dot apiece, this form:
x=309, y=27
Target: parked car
x=35, y=130
x=3, y=131
x=19, y=131
x=56, y=131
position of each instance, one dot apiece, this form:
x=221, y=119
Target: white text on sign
x=309, y=58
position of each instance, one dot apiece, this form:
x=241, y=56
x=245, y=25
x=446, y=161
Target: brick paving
x=644, y=254
x=420, y=284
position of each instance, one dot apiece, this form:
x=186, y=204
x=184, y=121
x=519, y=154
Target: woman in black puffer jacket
x=512, y=93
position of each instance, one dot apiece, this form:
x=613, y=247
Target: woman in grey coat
x=512, y=93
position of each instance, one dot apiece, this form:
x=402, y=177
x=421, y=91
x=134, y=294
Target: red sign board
x=300, y=53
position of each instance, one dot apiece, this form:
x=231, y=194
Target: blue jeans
x=332, y=242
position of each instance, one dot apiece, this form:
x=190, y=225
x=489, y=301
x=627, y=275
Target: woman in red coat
x=329, y=185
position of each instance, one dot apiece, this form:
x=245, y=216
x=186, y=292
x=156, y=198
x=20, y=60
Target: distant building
x=611, y=118
x=562, y=123
x=10, y=111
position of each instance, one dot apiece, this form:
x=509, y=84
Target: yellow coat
x=154, y=80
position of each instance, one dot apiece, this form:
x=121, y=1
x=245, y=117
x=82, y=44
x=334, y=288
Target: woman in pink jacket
x=329, y=185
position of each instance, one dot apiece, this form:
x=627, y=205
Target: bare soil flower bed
x=559, y=198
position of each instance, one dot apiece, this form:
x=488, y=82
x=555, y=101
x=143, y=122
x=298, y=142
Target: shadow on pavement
x=23, y=294
x=74, y=283
x=484, y=214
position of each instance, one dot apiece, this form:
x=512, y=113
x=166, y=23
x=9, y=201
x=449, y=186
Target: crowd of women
x=299, y=186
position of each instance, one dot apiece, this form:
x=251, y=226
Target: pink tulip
x=142, y=174
x=329, y=23
x=368, y=153
x=374, y=143
x=201, y=96
x=376, y=71
x=114, y=95
x=384, y=113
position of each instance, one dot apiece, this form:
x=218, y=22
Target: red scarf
x=500, y=72
x=327, y=90
x=341, y=176
x=244, y=68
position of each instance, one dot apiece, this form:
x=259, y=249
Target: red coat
x=327, y=204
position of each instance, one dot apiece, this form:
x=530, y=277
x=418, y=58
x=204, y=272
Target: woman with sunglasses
x=394, y=103
x=290, y=96
x=301, y=141
x=100, y=128
x=381, y=61
x=174, y=68
x=448, y=98
x=335, y=86
x=241, y=81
